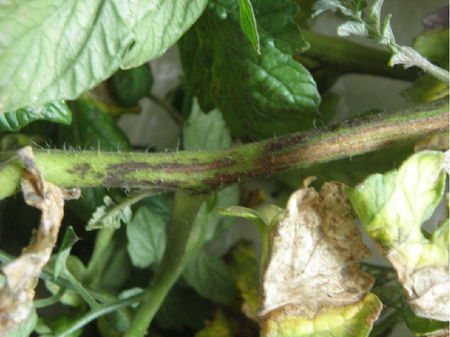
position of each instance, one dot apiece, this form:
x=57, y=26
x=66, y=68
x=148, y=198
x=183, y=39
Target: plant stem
x=80, y=289
x=168, y=107
x=100, y=310
x=176, y=255
x=207, y=171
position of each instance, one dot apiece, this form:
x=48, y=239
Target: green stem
x=80, y=289
x=100, y=310
x=207, y=171
x=50, y=300
x=176, y=255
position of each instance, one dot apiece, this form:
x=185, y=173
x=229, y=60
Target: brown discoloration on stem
x=170, y=167
x=80, y=169
x=203, y=171
x=304, y=150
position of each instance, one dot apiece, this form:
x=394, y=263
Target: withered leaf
x=16, y=297
x=315, y=255
x=392, y=208
x=312, y=279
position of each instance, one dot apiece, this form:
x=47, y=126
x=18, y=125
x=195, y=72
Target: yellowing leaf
x=312, y=282
x=351, y=320
x=392, y=208
x=219, y=327
x=435, y=142
x=245, y=273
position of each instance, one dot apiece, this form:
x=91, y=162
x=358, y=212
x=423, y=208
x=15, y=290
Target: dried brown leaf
x=315, y=255
x=21, y=275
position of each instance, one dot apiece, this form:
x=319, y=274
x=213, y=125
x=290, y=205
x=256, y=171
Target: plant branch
x=177, y=253
x=207, y=171
x=168, y=107
x=100, y=310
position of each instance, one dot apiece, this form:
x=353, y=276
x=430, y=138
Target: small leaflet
x=16, y=297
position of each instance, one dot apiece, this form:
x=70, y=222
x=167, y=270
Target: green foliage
x=70, y=238
x=207, y=274
x=224, y=70
x=137, y=262
x=248, y=24
x=183, y=308
x=93, y=126
x=392, y=208
x=93, y=39
x=210, y=277
x=109, y=216
x=146, y=235
x=378, y=30
x=57, y=112
x=133, y=84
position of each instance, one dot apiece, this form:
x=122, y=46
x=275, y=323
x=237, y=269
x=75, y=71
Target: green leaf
x=50, y=325
x=157, y=204
x=183, y=308
x=426, y=88
x=59, y=49
x=265, y=218
x=133, y=84
x=392, y=208
x=210, y=277
x=375, y=14
x=205, y=131
x=70, y=238
x=330, y=5
x=27, y=327
x=209, y=132
x=359, y=5
x=248, y=24
x=57, y=112
x=434, y=45
x=259, y=95
x=146, y=235
x=386, y=30
x=78, y=270
x=109, y=216
x=93, y=127
x=352, y=28
x=118, y=322
x=110, y=265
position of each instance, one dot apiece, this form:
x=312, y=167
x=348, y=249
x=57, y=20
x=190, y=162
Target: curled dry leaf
x=312, y=281
x=16, y=297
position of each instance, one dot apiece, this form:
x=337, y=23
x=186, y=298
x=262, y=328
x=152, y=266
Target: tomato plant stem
x=207, y=171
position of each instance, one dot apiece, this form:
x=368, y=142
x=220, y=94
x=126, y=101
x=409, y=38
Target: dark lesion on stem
x=208, y=171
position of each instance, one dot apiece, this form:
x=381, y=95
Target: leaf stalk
x=177, y=253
